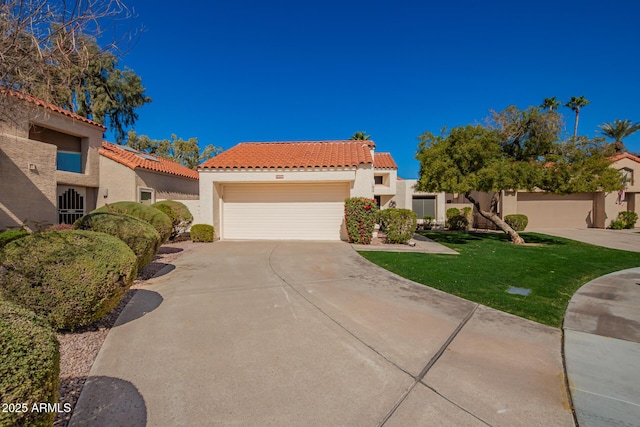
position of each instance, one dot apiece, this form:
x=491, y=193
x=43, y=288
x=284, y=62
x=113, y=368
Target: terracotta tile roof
x=384, y=161
x=135, y=159
x=40, y=103
x=625, y=156
x=298, y=154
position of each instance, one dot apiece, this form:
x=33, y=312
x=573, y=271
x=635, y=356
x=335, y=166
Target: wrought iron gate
x=70, y=206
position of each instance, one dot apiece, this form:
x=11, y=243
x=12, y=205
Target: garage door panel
x=299, y=211
x=557, y=211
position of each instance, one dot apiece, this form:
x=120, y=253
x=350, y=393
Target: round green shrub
x=458, y=223
x=139, y=235
x=360, y=216
x=159, y=220
x=400, y=224
x=202, y=233
x=179, y=215
x=29, y=366
x=71, y=278
x=11, y=235
x=628, y=219
x=517, y=221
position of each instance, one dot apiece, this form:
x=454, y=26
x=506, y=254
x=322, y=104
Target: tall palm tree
x=618, y=130
x=550, y=103
x=575, y=103
x=360, y=136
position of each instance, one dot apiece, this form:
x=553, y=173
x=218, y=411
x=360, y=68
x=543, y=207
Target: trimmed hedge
x=29, y=366
x=11, y=235
x=71, y=278
x=179, y=215
x=139, y=235
x=202, y=233
x=360, y=216
x=159, y=220
x=399, y=224
x=517, y=221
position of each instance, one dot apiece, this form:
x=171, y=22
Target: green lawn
x=489, y=264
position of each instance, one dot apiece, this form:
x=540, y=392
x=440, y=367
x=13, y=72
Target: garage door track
x=310, y=333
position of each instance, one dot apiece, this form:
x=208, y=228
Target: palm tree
x=575, y=103
x=550, y=103
x=360, y=136
x=618, y=130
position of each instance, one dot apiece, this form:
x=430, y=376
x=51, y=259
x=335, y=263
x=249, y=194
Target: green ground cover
x=551, y=267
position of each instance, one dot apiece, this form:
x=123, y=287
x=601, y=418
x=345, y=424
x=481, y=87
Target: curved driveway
x=310, y=333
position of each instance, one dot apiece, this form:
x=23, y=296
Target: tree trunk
x=575, y=127
x=499, y=222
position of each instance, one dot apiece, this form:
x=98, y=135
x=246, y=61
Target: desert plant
x=400, y=225
x=202, y=233
x=139, y=235
x=71, y=278
x=29, y=367
x=624, y=220
x=360, y=217
x=179, y=215
x=11, y=235
x=160, y=221
x=517, y=221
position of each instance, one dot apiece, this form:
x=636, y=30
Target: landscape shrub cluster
x=517, y=221
x=202, y=233
x=179, y=215
x=624, y=220
x=11, y=235
x=159, y=220
x=360, y=216
x=29, y=366
x=398, y=224
x=139, y=235
x=459, y=220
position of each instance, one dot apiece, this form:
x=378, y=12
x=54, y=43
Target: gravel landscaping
x=79, y=349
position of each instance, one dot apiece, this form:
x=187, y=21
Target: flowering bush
x=360, y=216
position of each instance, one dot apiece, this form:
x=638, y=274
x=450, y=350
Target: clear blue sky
x=248, y=70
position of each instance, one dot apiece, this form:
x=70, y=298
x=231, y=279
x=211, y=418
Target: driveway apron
x=310, y=333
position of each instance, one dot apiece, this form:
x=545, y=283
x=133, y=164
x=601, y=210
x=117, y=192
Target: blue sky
x=247, y=70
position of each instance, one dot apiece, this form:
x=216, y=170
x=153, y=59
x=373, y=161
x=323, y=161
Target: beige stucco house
x=131, y=175
x=49, y=164
x=579, y=210
x=296, y=190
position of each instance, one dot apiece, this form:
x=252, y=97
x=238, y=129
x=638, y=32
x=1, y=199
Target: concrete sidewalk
x=310, y=333
x=602, y=350
x=626, y=240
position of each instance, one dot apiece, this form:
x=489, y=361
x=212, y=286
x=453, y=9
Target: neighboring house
x=131, y=175
x=49, y=166
x=295, y=190
x=579, y=210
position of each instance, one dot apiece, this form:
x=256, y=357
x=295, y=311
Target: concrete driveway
x=626, y=240
x=310, y=333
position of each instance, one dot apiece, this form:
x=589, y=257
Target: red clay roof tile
x=134, y=159
x=625, y=156
x=384, y=161
x=298, y=154
x=40, y=103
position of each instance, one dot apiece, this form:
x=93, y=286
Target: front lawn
x=551, y=267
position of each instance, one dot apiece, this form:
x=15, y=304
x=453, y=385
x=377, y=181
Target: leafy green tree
x=618, y=130
x=185, y=152
x=550, y=103
x=518, y=150
x=360, y=136
x=575, y=104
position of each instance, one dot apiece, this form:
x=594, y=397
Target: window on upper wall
x=627, y=176
x=68, y=161
x=378, y=179
x=69, y=147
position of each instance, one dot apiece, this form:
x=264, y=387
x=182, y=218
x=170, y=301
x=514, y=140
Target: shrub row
x=517, y=221
x=29, y=366
x=179, y=215
x=159, y=220
x=11, y=235
x=360, y=216
x=399, y=224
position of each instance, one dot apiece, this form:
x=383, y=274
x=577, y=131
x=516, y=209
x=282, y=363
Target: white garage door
x=556, y=211
x=284, y=211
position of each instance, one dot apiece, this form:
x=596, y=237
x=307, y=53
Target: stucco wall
x=167, y=186
x=117, y=182
x=28, y=175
